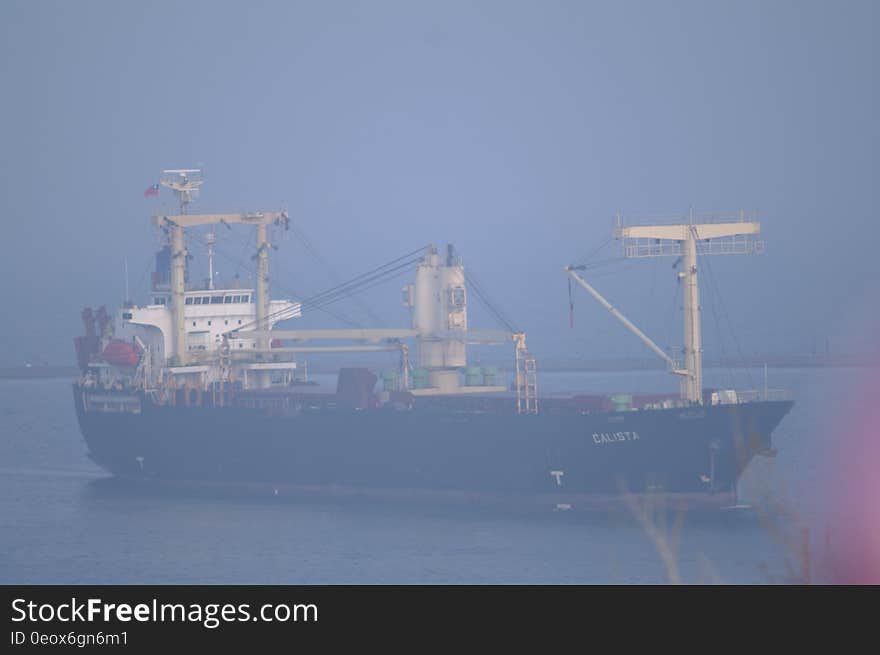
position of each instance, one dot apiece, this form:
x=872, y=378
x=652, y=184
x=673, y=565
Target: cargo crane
x=710, y=235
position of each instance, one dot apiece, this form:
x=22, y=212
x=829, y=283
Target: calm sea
x=62, y=522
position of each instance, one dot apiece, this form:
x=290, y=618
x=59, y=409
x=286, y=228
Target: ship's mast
x=178, y=290
x=262, y=286
x=711, y=235
x=186, y=184
x=693, y=339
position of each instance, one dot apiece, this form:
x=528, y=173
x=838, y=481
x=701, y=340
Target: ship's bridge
x=208, y=314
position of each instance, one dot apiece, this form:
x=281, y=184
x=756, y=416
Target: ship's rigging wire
x=719, y=334
x=673, y=314
x=631, y=353
x=713, y=285
x=587, y=265
x=319, y=303
x=606, y=267
x=286, y=288
x=241, y=258
x=345, y=288
x=310, y=249
x=715, y=293
x=359, y=283
x=497, y=313
x=670, y=350
x=589, y=262
x=594, y=252
x=143, y=275
x=720, y=337
x=365, y=284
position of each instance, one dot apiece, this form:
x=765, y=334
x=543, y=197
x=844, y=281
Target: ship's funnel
x=439, y=315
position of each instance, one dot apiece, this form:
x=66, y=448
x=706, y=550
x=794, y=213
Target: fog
x=516, y=130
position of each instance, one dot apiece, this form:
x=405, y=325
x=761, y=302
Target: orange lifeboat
x=121, y=353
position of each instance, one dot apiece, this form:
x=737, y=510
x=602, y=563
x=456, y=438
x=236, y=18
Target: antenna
x=211, y=239
x=184, y=182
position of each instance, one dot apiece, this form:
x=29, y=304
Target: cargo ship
x=200, y=386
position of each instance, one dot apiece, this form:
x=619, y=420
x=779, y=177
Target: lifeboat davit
x=121, y=353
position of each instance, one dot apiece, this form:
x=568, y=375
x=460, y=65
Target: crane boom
x=626, y=322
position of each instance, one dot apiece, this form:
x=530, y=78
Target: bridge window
x=227, y=299
x=206, y=300
x=194, y=323
x=217, y=300
x=245, y=298
x=189, y=301
x=197, y=301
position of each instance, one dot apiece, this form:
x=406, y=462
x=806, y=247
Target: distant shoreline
x=756, y=361
x=550, y=365
x=37, y=372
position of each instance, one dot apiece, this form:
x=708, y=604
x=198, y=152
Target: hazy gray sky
x=515, y=129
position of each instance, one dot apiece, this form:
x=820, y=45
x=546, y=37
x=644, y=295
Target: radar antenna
x=185, y=183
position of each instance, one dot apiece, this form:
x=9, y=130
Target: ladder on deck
x=526, y=378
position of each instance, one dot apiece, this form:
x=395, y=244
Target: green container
x=389, y=380
x=420, y=378
x=622, y=402
x=472, y=376
x=489, y=375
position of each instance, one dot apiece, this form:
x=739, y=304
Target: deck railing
x=757, y=395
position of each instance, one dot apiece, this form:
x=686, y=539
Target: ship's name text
x=614, y=437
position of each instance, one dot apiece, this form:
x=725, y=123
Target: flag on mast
x=152, y=191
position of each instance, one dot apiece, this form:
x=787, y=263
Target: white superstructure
x=208, y=315
x=181, y=337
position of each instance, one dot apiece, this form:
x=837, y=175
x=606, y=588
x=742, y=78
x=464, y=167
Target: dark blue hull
x=699, y=449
